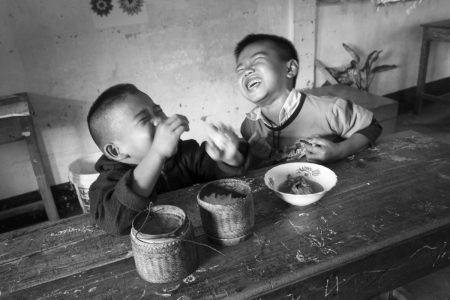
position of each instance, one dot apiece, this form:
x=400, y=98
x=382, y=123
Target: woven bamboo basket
x=160, y=242
x=227, y=211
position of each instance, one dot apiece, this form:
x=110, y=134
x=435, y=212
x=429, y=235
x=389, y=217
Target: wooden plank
x=42, y=176
x=438, y=34
x=388, y=267
x=438, y=24
x=38, y=254
x=382, y=271
x=19, y=210
x=435, y=98
x=13, y=106
x=380, y=204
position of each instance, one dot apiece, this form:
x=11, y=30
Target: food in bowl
x=300, y=183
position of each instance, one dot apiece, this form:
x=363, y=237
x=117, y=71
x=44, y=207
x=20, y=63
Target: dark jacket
x=113, y=204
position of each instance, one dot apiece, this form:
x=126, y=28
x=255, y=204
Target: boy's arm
x=147, y=172
x=372, y=132
x=352, y=122
x=325, y=150
x=113, y=201
x=203, y=168
x=164, y=145
x=118, y=196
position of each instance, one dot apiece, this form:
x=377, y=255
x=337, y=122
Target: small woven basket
x=227, y=211
x=160, y=241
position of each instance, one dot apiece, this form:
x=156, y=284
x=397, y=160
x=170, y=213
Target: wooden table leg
x=423, y=64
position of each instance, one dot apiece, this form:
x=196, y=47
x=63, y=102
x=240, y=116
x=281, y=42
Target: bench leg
x=423, y=64
x=29, y=134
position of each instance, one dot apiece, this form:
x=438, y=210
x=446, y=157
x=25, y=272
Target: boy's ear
x=112, y=152
x=292, y=66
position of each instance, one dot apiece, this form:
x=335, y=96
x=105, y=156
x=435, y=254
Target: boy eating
x=143, y=155
x=286, y=123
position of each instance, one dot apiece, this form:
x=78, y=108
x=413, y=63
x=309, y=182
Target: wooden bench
x=384, y=109
x=17, y=110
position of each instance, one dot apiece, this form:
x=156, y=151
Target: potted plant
x=360, y=75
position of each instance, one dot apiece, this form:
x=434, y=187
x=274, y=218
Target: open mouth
x=252, y=83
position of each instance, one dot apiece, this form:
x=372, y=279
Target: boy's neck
x=272, y=110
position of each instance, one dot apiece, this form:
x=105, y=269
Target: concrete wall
x=182, y=57
x=394, y=28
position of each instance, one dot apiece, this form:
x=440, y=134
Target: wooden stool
x=437, y=31
x=17, y=107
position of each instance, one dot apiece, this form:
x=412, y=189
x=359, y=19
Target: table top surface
x=445, y=24
x=386, y=222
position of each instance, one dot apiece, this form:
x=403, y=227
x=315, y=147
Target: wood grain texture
x=386, y=222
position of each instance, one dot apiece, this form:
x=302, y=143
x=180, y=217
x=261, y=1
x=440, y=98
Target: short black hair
x=285, y=48
x=102, y=106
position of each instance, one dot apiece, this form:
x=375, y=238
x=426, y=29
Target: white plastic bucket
x=82, y=174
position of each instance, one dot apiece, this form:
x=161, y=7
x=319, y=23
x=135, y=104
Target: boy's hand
x=322, y=150
x=168, y=134
x=259, y=146
x=222, y=145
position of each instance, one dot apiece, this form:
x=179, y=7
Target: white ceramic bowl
x=310, y=171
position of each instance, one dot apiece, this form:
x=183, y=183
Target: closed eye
x=259, y=59
x=144, y=120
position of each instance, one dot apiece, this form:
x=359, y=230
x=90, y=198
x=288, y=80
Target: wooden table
x=387, y=222
x=438, y=32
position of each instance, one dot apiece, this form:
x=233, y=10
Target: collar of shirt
x=286, y=111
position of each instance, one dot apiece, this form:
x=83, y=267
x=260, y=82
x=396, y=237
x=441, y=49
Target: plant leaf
x=383, y=68
x=356, y=75
x=369, y=59
x=374, y=58
x=352, y=53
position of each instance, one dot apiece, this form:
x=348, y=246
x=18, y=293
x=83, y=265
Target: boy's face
x=262, y=74
x=135, y=121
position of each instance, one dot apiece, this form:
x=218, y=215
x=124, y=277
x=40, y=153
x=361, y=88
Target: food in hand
x=218, y=135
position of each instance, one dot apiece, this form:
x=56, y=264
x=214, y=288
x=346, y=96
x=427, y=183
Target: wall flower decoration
x=131, y=7
x=101, y=7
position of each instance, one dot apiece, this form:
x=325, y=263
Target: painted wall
x=182, y=57
x=394, y=28
x=12, y=77
x=14, y=156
